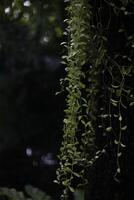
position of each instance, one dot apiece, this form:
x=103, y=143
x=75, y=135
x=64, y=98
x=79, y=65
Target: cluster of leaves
x=70, y=157
x=83, y=69
x=106, y=75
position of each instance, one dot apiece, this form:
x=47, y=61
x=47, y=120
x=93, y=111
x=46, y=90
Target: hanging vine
x=72, y=160
x=97, y=88
x=117, y=94
x=83, y=71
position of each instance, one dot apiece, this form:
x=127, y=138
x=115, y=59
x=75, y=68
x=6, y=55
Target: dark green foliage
x=82, y=88
x=31, y=194
x=71, y=157
x=89, y=40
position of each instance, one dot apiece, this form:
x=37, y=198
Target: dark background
x=31, y=113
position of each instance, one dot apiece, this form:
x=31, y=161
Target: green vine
x=96, y=86
x=72, y=156
x=84, y=64
x=118, y=94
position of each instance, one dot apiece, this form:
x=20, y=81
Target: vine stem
x=120, y=129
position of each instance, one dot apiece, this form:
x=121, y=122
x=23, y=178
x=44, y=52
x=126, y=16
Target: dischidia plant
x=93, y=75
x=82, y=86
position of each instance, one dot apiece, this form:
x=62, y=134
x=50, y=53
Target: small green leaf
x=115, y=86
x=120, y=118
x=103, y=151
x=55, y=181
x=71, y=189
x=116, y=115
x=116, y=142
x=131, y=104
x=65, y=20
x=98, y=152
x=122, y=145
x=96, y=157
x=63, y=43
x=105, y=116
x=109, y=129
x=119, y=170
x=124, y=128
x=66, y=121
x=65, y=183
x=114, y=101
x=114, y=104
x=76, y=174
x=119, y=154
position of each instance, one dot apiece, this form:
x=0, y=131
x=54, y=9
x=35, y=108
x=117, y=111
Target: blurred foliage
x=30, y=193
x=30, y=36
